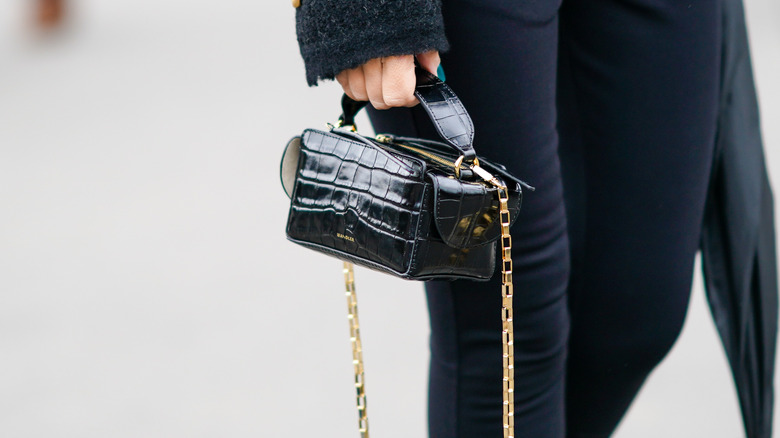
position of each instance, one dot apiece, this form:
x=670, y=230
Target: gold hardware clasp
x=458, y=163
x=383, y=138
x=340, y=124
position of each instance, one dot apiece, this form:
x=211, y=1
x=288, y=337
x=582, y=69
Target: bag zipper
x=382, y=138
x=480, y=171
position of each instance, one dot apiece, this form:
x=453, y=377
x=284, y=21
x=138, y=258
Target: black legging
x=604, y=249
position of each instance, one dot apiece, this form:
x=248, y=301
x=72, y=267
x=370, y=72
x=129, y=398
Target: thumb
x=430, y=61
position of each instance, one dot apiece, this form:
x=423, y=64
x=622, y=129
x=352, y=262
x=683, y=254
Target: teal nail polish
x=440, y=73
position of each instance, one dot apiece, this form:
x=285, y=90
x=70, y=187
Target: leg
x=503, y=68
x=637, y=106
x=50, y=12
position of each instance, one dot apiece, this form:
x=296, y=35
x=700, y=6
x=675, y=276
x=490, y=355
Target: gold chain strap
x=507, y=326
x=507, y=296
x=357, y=348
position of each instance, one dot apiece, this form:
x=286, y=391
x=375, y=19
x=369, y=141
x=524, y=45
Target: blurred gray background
x=146, y=287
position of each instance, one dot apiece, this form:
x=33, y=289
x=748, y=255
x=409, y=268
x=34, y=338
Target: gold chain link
x=507, y=326
x=357, y=348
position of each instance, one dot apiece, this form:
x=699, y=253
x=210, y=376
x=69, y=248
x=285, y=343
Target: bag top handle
x=446, y=111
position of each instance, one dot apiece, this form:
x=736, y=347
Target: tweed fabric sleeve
x=335, y=35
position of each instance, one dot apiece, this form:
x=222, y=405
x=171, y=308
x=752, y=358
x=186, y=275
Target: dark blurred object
x=738, y=236
x=49, y=13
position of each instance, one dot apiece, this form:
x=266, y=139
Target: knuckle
x=393, y=101
x=396, y=99
x=360, y=93
x=376, y=99
x=379, y=105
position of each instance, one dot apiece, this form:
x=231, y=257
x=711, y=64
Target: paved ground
x=146, y=289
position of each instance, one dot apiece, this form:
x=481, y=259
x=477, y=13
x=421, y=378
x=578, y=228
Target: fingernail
x=440, y=73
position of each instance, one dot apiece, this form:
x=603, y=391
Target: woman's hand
x=387, y=82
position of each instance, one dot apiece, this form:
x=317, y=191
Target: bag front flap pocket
x=467, y=213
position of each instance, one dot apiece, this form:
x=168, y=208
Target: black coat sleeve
x=335, y=35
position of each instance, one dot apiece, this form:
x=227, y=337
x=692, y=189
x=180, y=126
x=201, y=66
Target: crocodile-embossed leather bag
x=415, y=208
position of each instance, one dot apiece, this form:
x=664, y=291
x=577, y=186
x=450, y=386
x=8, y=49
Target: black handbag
x=414, y=208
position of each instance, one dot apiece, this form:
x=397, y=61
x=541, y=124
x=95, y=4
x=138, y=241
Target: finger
x=343, y=79
x=357, y=83
x=398, y=81
x=373, y=75
x=430, y=61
